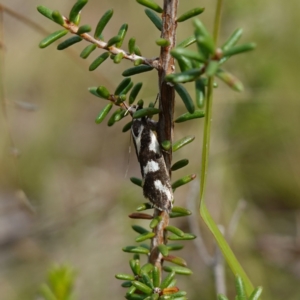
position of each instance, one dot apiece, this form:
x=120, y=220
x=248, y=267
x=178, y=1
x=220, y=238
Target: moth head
x=137, y=127
x=132, y=109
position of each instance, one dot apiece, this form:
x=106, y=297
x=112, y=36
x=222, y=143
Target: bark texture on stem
x=165, y=123
x=166, y=91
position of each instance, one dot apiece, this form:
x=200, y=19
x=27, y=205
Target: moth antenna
x=127, y=111
x=157, y=97
x=128, y=158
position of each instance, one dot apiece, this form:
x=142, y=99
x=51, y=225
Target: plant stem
x=224, y=247
x=165, y=123
x=217, y=21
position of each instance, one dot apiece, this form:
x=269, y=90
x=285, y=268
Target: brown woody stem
x=165, y=123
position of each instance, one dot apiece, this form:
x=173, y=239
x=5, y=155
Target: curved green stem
x=226, y=250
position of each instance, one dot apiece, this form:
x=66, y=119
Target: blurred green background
x=65, y=198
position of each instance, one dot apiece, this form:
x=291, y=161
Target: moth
x=156, y=180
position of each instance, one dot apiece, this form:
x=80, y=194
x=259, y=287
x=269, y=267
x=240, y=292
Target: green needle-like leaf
x=127, y=127
x=84, y=29
x=166, y=145
x=52, y=38
x=140, y=229
x=103, y=113
x=122, y=33
x=200, y=28
x=131, y=45
x=240, y=289
x=176, y=260
x=114, y=117
x=155, y=222
x=144, y=206
x=186, y=236
x=142, y=287
x=256, y=293
x=147, y=280
x=212, y=68
x=126, y=284
x=233, y=39
x=156, y=276
x=149, y=111
x=163, y=249
x=103, y=92
x=136, y=181
x=57, y=17
x=167, y=281
x=114, y=40
x=183, y=180
x=162, y=42
x=151, y=4
x=137, y=50
x=184, y=64
x=76, y=9
x=138, y=62
x=140, y=103
x=144, y=237
x=136, y=249
x=182, y=210
x=87, y=51
x=181, y=143
x=230, y=80
x=200, y=93
x=130, y=293
x=102, y=23
x=120, y=115
x=190, y=14
x=93, y=91
x=239, y=49
x=187, y=116
x=174, y=247
x=135, y=266
x=185, y=96
x=155, y=19
x=153, y=297
x=185, y=76
x=180, y=164
x=175, y=230
x=137, y=70
x=187, y=42
x=178, y=270
x=126, y=89
x=147, y=267
x=204, y=40
x=176, y=215
x=179, y=52
x=124, y=277
x=122, y=85
x=134, y=92
x=69, y=42
x=46, y=12
x=98, y=61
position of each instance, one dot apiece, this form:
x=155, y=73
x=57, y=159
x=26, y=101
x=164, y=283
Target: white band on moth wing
x=152, y=166
x=153, y=146
x=164, y=189
x=137, y=139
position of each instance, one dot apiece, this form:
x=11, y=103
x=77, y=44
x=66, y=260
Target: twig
x=113, y=50
x=240, y=208
x=165, y=123
x=218, y=268
x=194, y=225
